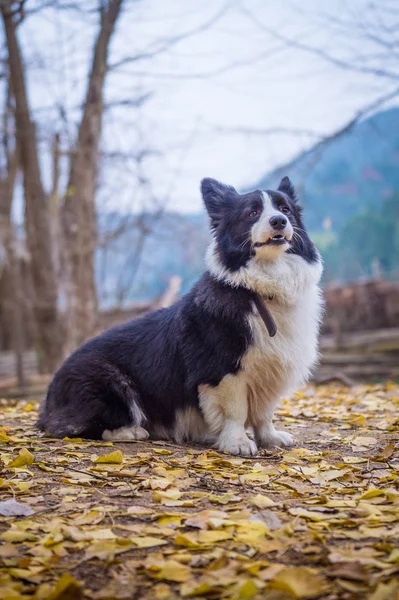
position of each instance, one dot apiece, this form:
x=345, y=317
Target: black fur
x=230, y=220
x=143, y=372
x=157, y=361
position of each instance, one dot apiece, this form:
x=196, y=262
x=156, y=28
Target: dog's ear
x=287, y=188
x=215, y=197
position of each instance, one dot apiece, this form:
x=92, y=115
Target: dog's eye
x=254, y=213
x=285, y=209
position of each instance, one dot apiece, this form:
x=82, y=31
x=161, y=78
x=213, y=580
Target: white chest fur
x=274, y=367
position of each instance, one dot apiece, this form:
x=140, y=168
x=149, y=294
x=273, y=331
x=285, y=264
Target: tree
x=37, y=220
x=78, y=210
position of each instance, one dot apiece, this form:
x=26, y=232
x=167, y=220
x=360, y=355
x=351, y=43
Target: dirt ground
x=104, y=520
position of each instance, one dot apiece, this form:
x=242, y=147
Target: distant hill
x=354, y=171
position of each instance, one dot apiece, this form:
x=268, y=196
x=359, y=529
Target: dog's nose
x=278, y=222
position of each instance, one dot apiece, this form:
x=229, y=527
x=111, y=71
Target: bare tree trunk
x=14, y=301
x=55, y=205
x=78, y=212
x=16, y=308
x=37, y=221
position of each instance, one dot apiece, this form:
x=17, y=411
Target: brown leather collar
x=265, y=315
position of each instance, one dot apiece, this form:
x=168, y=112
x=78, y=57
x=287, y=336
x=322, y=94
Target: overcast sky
x=231, y=75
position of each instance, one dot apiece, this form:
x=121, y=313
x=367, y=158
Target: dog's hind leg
x=132, y=430
x=93, y=400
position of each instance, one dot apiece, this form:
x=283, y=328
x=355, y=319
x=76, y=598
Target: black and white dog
x=206, y=369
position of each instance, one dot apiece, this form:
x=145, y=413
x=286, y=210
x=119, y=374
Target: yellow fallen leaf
x=202, y=519
x=358, y=420
x=66, y=588
x=139, y=510
x=388, y=450
x=24, y=486
x=43, y=591
x=386, y=591
x=106, y=549
x=172, y=521
x=174, y=571
x=255, y=478
x=164, y=495
x=218, y=523
x=93, y=517
x=394, y=556
x=15, y=536
x=197, y=589
x=364, y=441
x=113, y=458
x=26, y=574
x=23, y=459
x=354, y=460
x=251, y=532
x=323, y=477
x=312, y=515
x=371, y=493
x=247, y=590
x=225, y=498
x=261, y=501
x=301, y=582
x=158, y=483
x=188, y=540
x=147, y=541
x=101, y=534
x=212, y=537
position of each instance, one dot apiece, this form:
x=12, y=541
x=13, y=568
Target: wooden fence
x=360, y=355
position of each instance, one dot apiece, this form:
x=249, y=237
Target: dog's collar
x=265, y=314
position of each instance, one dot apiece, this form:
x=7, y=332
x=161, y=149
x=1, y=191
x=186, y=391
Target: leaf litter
x=102, y=520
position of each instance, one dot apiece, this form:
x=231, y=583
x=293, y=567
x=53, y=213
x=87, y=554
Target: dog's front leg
x=266, y=434
x=225, y=410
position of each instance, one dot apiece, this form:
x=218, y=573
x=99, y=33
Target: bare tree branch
x=320, y=52
x=264, y=131
x=167, y=43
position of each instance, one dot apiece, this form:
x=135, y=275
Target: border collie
x=206, y=369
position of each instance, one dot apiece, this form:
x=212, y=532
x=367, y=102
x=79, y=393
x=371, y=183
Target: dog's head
x=257, y=225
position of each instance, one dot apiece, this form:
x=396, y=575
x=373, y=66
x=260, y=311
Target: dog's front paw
x=282, y=439
x=240, y=445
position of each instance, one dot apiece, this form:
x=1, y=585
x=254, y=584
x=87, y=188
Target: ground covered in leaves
x=154, y=520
